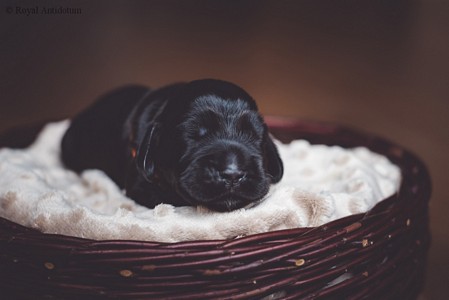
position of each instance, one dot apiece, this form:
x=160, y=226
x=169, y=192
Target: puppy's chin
x=217, y=197
x=229, y=203
x=226, y=201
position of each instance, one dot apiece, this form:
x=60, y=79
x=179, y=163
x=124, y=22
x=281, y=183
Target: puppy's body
x=197, y=143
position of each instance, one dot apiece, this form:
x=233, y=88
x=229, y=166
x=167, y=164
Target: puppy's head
x=215, y=149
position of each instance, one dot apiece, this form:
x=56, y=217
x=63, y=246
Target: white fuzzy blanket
x=320, y=184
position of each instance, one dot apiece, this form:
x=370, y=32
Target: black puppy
x=198, y=143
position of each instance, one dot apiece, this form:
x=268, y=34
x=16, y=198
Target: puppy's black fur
x=198, y=143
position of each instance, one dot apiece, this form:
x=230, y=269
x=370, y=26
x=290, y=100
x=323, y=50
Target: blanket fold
x=320, y=184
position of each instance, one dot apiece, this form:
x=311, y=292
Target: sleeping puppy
x=199, y=143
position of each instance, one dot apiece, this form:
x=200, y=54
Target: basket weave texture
x=377, y=255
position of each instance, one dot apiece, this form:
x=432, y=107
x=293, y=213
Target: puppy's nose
x=232, y=175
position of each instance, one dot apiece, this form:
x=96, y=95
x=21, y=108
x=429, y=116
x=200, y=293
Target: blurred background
x=379, y=66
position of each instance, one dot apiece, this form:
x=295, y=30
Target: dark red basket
x=377, y=255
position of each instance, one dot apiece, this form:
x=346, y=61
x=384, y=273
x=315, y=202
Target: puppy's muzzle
x=226, y=175
x=227, y=166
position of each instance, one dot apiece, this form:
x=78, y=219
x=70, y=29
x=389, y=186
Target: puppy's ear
x=146, y=151
x=273, y=162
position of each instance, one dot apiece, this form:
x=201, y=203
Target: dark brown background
x=381, y=66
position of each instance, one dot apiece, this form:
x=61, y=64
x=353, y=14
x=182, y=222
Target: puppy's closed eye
x=202, y=125
x=246, y=124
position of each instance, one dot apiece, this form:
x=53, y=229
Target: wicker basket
x=377, y=255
